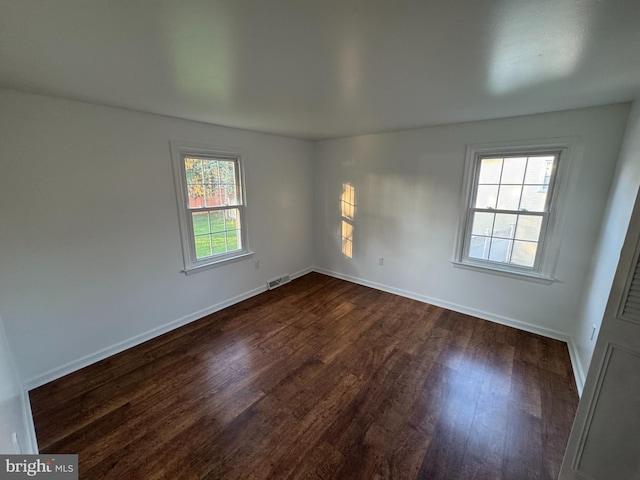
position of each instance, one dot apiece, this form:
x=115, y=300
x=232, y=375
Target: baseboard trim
x=301, y=273
x=578, y=371
x=510, y=322
x=31, y=442
x=87, y=360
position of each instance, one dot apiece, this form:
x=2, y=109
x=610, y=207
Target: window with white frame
x=210, y=204
x=510, y=200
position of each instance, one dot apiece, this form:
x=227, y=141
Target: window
x=508, y=223
x=210, y=205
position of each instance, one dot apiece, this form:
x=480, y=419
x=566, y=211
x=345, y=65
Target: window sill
x=530, y=277
x=217, y=263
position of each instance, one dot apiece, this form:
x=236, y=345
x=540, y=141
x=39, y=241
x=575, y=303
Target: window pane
x=513, y=170
x=500, y=249
x=537, y=169
x=193, y=170
x=196, y=195
x=231, y=219
x=219, y=242
x=228, y=194
x=509, y=197
x=203, y=246
x=227, y=172
x=524, y=253
x=534, y=198
x=482, y=223
x=233, y=240
x=210, y=171
x=479, y=247
x=232, y=225
x=486, y=196
x=217, y=221
x=505, y=225
x=200, y=223
x=490, y=169
x=529, y=228
x=212, y=195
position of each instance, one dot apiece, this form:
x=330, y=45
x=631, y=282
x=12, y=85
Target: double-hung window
x=510, y=202
x=211, y=204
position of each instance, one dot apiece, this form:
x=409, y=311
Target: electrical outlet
x=257, y=264
x=593, y=332
x=381, y=261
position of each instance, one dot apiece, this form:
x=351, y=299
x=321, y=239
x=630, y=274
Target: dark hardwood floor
x=324, y=379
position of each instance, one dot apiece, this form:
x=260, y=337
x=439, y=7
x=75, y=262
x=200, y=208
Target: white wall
x=614, y=229
x=91, y=253
x=408, y=186
x=15, y=414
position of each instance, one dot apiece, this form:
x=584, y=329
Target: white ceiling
x=325, y=68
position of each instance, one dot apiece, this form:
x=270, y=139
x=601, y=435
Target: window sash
x=539, y=242
x=237, y=176
x=209, y=234
x=550, y=189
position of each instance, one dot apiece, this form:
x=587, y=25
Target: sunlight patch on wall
x=348, y=201
x=347, y=239
x=348, y=212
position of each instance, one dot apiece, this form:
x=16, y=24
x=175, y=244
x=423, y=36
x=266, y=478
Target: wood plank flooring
x=323, y=379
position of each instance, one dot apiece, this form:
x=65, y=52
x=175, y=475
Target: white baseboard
x=578, y=371
x=29, y=444
x=302, y=273
x=510, y=322
x=87, y=360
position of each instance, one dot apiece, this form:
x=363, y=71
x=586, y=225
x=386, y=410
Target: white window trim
x=561, y=191
x=180, y=149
